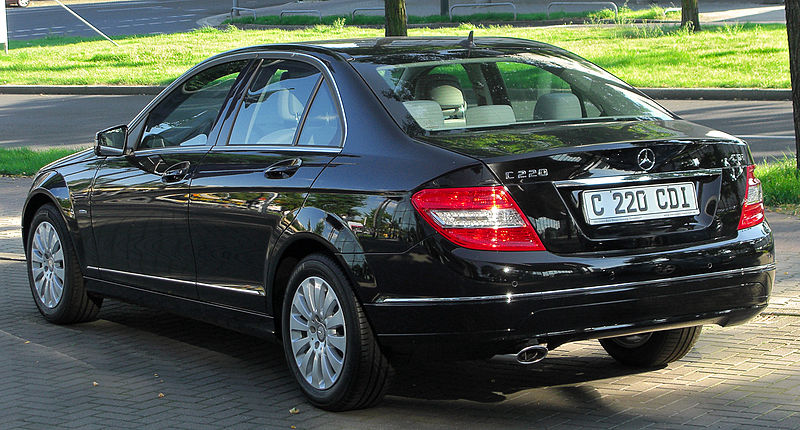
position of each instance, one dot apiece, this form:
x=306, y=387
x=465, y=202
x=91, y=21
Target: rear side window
x=186, y=116
x=275, y=103
x=322, y=126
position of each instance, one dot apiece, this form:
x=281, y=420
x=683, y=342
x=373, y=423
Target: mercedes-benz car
x=371, y=200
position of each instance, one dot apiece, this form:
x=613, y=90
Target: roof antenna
x=469, y=43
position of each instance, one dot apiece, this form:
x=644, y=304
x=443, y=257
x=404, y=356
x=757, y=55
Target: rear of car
x=592, y=212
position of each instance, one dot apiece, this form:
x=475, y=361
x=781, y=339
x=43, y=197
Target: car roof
x=350, y=49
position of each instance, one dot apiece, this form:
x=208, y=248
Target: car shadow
x=561, y=384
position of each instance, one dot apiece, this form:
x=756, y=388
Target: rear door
x=140, y=200
x=286, y=129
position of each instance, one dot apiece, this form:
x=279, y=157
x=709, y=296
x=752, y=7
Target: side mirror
x=111, y=141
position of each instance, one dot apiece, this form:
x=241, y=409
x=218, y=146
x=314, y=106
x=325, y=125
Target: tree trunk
x=444, y=7
x=396, y=20
x=793, y=30
x=690, y=15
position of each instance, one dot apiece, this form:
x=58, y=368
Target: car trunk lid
x=553, y=172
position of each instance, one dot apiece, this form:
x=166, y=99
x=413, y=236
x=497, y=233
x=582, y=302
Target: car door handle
x=283, y=169
x=176, y=172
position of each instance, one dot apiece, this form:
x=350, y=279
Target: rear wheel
x=53, y=271
x=23, y=3
x=652, y=349
x=329, y=345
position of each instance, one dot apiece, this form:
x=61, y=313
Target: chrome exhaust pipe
x=532, y=354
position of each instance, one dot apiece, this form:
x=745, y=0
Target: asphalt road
x=118, y=17
x=48, y=121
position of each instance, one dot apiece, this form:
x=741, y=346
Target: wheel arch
x=50, y=188
x=294, y=245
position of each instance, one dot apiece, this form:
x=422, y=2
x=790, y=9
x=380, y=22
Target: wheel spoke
x=56, y=288
x=316, y=371
x=334, y=360
x=335, y=321
x=328, y=375
x=305, y=363
x=300, y=305
x=59, y=274
x=319, y=299
x=299, y=345
x=338, y=342
x=296, y=324
x=329, y=305
x=36, y=255
x=308, y=294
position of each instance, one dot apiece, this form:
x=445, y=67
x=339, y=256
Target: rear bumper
x=644, y=296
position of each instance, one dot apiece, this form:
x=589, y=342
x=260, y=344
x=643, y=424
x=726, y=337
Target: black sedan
x=366, y=200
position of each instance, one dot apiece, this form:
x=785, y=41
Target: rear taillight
x=753, y=205
x=478, y=218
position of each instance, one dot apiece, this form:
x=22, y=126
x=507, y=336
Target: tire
x=52, y=266
x=313, y=356
x=652, y=349
x=23, y=3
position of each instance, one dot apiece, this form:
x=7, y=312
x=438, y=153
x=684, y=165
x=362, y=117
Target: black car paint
x=355, y=204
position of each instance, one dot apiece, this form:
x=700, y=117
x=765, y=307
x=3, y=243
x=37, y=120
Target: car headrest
x=490, y=115
x=443, y=89
x=284, y=105
x=557, y=106
x=427, y=113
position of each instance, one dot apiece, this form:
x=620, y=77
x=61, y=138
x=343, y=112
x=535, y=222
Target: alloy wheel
x=47, y=265
x=318, y=333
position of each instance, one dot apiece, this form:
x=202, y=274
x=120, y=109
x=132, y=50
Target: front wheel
x=23, y=3
x=328, y=343
x=53, y=271
x=652, y=349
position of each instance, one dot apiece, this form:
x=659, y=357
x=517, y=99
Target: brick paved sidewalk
x=736, y=377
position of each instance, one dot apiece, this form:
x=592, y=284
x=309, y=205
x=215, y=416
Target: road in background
x=765, y=125
x=47, y=121
x=118, y=18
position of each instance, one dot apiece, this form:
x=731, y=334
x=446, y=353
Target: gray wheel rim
x=632, y=341
x=318, y=333
x=47, y=265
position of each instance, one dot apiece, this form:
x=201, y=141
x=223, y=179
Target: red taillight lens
x=478, y=218
x=753, y=205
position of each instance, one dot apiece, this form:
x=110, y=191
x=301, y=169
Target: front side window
x=186, y=116
x=275, y=102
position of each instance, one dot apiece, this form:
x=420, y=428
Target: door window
x=322, y=126
x=186, y=116
x=274, y=104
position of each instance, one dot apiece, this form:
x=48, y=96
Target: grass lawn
x=780, y=181
x=651, y=56
x=625, y=13
x=25, y=162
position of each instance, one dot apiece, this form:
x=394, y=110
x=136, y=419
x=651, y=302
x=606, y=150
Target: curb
x=656, y=93
x=717, y=94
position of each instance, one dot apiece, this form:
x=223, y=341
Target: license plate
x=639, y=203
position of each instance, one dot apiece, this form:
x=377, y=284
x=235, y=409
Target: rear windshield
x=439, y=92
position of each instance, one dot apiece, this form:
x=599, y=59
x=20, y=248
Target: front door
x=140, y=201
x=246, y=190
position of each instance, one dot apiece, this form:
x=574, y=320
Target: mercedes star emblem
x=646, y=159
